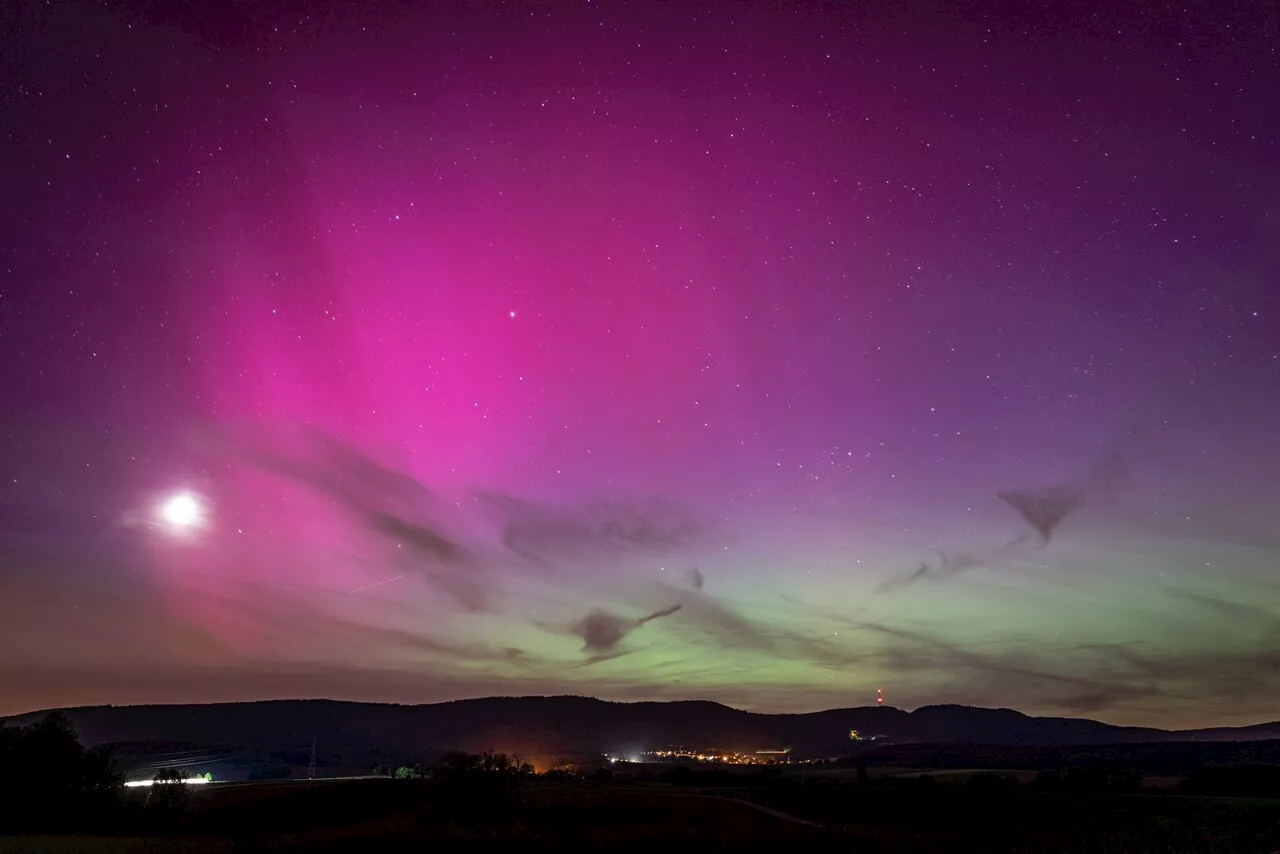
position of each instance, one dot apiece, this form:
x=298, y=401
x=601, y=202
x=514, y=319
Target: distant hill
x=354, y=733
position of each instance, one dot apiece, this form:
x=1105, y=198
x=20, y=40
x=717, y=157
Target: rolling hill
x=352, y=734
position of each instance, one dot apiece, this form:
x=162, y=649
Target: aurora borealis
x=761, y=353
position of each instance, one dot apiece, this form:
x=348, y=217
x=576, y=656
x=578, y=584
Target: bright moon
x=182, y=510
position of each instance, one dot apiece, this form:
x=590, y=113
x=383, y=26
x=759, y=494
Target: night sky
x=765, y=353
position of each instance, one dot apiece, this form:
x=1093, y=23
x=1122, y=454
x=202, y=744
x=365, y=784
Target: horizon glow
x=765, y=356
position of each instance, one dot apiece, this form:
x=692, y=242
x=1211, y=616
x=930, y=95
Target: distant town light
x=774, y=756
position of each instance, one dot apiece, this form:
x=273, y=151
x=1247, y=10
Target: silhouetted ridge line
x=559, y=724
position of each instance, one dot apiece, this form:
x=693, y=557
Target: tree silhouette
x=49, y=782
x=480, y=787
x=168, y=799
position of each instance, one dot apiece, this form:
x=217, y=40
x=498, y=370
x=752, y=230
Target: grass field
x=377, y=815
x=946, y=818
x=111, y=845
x=386, y=815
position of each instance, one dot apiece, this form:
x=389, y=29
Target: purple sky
x=931, y=347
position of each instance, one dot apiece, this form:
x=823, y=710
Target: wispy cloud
x=949, y=565
x=1036, y=671
x=392, y=506
x=719, y=624
x=602, y=631
x=1044, y=509
x=437, y=545
x=550, y=534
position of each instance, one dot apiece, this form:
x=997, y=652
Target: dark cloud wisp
x=554, y=533
x=603, y=631
x=1043, y=509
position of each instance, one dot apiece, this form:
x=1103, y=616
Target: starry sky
x=763, y=353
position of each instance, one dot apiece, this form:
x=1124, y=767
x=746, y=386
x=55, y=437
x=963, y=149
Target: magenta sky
x=475, y=332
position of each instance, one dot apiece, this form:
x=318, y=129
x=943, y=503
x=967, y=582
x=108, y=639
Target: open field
x=951, y=818
x=375, y=815
x=385, y=815
x=112, y=845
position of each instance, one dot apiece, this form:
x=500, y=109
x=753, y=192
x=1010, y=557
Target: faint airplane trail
x=375, y=584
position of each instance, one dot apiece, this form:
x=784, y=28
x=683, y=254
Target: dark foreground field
x=395, y=815
x=947, y=818
x=387, y=815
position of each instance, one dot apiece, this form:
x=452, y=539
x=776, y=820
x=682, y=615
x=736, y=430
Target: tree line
x=49, y=781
